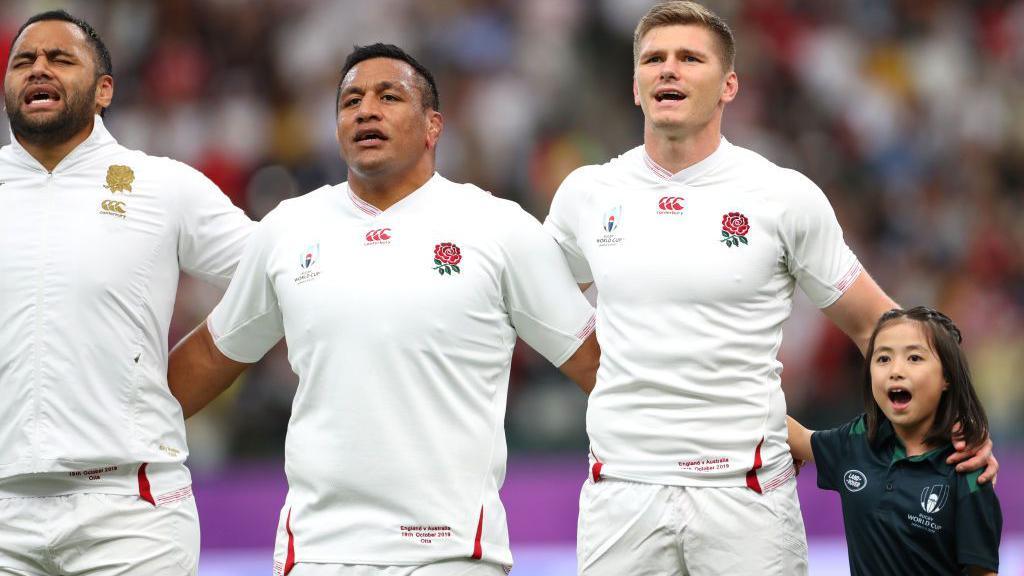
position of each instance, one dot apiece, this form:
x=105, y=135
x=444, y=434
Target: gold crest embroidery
x=119, y=178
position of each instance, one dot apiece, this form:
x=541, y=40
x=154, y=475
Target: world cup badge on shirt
x=119, y=178
x=611, y=223
x=933, y=498
x=308, y=263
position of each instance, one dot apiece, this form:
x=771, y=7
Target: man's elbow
x=581, y=367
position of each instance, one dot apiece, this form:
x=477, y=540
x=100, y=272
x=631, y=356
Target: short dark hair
x=959, y=404
x=684, y=12
x=427, y=86
x=101, y=56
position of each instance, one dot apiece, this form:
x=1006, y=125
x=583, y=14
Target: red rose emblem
x=448, y=253
x=447, y=257
x=735, y=224
x=734, y=229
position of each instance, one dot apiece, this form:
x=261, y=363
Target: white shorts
x=444, y=568
x=98, y=535
x=655, y=530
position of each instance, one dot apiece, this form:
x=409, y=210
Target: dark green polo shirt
x=906, y=515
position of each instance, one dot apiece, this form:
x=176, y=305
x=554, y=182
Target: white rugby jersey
x=89, y=263
x=695, y=274
x=400, y=325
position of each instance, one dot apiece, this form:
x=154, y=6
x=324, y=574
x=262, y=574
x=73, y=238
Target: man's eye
x=350, y=102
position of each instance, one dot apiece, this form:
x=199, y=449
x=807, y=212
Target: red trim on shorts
x=478, y=550
x=289, y=560
x=595, y=470
x=752, y=481
x=144, y=491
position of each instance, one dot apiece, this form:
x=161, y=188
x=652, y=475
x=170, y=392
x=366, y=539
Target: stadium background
x=909, y=114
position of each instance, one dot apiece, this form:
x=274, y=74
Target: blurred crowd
x=909, y=114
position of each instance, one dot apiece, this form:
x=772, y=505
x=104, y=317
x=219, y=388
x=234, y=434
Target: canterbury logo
x=378, y=235
x=113, y=207
x=670, y=203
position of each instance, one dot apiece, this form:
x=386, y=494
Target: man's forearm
x=581, y=367
x=197, y=372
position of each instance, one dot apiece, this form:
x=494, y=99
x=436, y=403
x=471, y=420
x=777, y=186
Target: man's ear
x=104, y=92
x=435, y=125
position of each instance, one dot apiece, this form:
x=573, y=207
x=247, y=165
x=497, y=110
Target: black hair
x=427, y=86
x=959, y=404
x=101, y=55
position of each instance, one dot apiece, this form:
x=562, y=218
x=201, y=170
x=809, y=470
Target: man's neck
x=678, y=151
x=50, y=155
x=383, y=191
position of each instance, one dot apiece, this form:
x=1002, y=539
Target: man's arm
x=581, y=367
x=858, y=310
x=197, y=371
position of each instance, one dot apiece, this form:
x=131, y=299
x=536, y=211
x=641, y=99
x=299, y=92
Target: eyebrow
x=908, y=348
x=685, y=51
x=50, y=53
x=379, y=87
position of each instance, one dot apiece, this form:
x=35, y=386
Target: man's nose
x=40, y=68
x=368, y=109
x=669, y=69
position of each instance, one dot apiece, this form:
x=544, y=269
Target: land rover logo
x=855, y=480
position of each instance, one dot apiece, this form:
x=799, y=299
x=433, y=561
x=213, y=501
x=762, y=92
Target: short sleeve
x=247, y=322
x=817, y=256
x=833, y=447
x=213, y=231
x=979, y=523
x=562, y=224
x=545, y=305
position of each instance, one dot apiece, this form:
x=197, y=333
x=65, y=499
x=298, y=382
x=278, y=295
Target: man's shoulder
x=749, y=164
x=143, y=163
x=308, y=204
x=624, y=166
x=470, y=198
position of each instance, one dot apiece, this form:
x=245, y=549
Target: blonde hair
x=682, y=12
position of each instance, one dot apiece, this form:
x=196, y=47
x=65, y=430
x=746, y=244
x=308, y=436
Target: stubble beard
x=54, y=129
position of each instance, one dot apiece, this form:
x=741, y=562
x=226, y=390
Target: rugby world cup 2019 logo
x=611, y=224
x=309, y=259
x=933, y=498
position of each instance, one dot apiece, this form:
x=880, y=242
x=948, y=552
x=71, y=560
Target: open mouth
x=900, y=397
x=370, y=136
x=670, y=95
x=41, y=96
